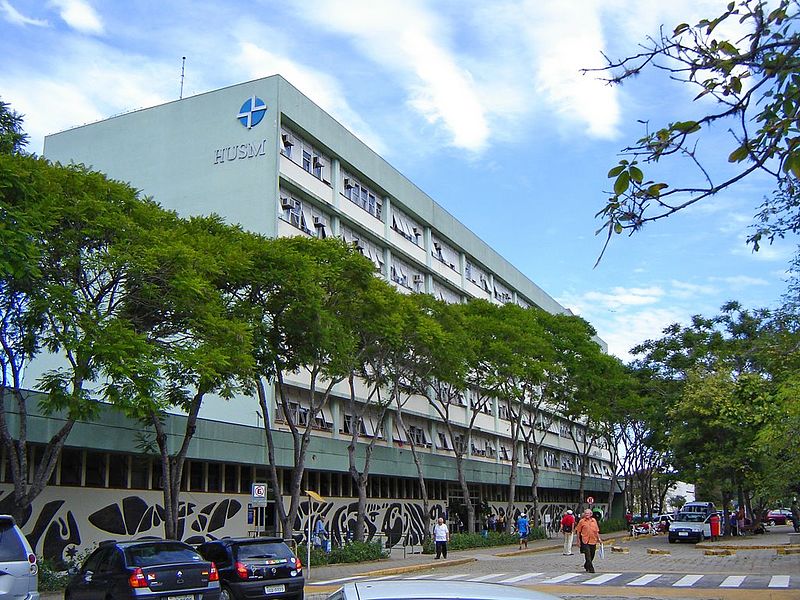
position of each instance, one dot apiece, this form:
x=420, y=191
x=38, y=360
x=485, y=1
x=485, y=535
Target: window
x=361, y=195
x=140, y=472
x=96, y=469
x=417, y=435
x=406, y=227
x=231, y=479
x=71, y=466
x=197, y=479
x=118, y=471
x=444, y=443
x=350, y=423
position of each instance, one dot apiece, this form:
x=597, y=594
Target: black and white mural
x=65, y=523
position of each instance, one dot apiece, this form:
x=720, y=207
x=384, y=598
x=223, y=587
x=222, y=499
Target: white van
x=18, y=567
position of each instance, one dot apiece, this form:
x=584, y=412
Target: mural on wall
x=65, y=523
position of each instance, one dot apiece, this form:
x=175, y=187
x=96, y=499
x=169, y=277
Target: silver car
x=19, y=572
x=427, y=589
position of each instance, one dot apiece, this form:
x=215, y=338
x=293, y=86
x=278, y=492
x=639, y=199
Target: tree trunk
x=172, y=466
x=462, y=481
x=426, y=509
x=273, y=468
x=17, y=456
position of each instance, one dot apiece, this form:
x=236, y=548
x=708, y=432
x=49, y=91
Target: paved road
x=686, y=572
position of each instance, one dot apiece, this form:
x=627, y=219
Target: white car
x=426, y=589
x=19, y=571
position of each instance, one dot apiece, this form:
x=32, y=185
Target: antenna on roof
x=183, y=65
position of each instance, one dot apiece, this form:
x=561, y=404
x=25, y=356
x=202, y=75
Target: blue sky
x=481, y=104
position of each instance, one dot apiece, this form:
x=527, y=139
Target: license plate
x=274, y=589
x=184, y=597
x=683, y=533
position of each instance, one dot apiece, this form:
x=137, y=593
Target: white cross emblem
x=256, y=112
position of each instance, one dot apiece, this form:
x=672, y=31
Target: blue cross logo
x=252, y=111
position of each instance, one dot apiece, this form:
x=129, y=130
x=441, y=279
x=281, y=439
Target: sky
x=483, y=105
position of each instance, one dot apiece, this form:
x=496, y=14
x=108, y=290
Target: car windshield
x=691, y=517
x=147, y=555
x=263, y=550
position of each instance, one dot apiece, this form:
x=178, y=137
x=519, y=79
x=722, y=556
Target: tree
x=751, y=85
x=73, y=238
x=12, y=137
x=299, y=298
x=184, y=305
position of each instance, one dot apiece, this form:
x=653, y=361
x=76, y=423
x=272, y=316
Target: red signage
x=590, y=500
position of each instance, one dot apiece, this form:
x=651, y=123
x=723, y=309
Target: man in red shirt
x=568, y=529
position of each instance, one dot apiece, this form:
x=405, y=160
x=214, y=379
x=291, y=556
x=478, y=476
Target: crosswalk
x=660, y=580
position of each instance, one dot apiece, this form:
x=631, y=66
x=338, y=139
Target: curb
x=420, y=567
x=746, y=547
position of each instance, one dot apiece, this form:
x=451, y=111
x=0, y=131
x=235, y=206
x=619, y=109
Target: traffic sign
x=259, y=492
x=590, y=500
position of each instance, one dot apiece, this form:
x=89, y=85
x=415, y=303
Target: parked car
x=251, y=568
x=144, y=569
x=19, y=570
x=690, y=526
x=434, y=590
x=779, y=516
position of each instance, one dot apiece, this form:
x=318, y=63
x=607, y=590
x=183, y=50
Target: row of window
x=88, y=468
x=316, y=163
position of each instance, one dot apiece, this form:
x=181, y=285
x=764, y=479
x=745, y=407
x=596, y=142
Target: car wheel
x=225, y=593
x=772, y=522
x=702, y=537
x=672, y=540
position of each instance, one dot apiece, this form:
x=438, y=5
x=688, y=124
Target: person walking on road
x=588, y=534
x=441, y=535
x=523, y=528
x=567, y=528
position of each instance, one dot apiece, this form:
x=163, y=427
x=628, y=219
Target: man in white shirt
x=441, y=535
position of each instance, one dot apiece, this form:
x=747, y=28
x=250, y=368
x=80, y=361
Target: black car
x=252, y=568
x=144, y=569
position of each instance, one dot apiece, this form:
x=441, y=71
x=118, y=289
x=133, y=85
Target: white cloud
x=742, y=281
x=683, y=289
x=79, y=15
x=437, y=86
x=320, y=87
x=621, y=297
x=13, y=16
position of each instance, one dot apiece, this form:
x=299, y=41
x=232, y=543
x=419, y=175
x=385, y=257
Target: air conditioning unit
x=319, y=222
x=287, y=141
x=347, y=184
x=317, y=162
x=287, y=203
x=419, y=279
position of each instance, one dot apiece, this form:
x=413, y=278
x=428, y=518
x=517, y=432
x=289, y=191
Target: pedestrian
x=795, y=516
x=320, y=535
x=733, y=523
x=714, y=521
x=492, y=522
x=501, y=523
x=441, y=535
x=588, y=534
x=523, y=527
x=567, y=528
x=740, y=522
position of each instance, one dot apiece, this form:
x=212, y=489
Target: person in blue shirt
x=523, y=528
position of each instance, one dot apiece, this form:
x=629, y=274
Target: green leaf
x=739, y=154
x=622, y=182
x=680, y=29
x=616, y=171
x=686, y=126
x=617, y=228
x=636, y=174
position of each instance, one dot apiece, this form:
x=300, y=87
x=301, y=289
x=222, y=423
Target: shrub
x=351, y=552
x=51, y=579
x=612, y=525
x=464, y=541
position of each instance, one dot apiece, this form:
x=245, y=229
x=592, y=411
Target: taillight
x=34, y=568
x=214, y=574
x=137, y=579
x=298, y=565
x=241, y=570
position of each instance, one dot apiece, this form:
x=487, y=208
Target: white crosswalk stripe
x=519, y=578
x=601, y=579
x=733, y=581
x=486, y=577
x=687, y=581
x=560, y=578
x=645, y=579
x=779, y=581
x=451, y=577
x=426, y=576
